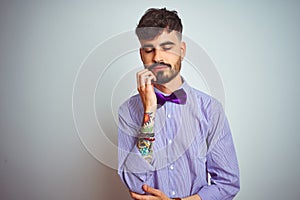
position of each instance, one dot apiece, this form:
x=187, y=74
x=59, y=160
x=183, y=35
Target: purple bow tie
x=178, y=97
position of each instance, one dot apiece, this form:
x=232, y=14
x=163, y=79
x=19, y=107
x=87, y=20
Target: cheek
x=173, y=55
x=174, y=60
x=146, y=58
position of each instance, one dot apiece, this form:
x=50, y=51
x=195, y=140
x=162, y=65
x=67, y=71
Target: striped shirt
x=192, y=141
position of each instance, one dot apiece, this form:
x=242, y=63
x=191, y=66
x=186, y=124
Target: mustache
x=158, y=64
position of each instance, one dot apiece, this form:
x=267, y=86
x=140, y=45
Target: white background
x=254, y=45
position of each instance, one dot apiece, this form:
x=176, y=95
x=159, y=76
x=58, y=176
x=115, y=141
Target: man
x=172, y=137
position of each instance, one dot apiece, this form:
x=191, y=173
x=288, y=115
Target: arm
x=133, y=159
x=222, y=162
x=146, y=136
x=148, y=97
x=155, y=194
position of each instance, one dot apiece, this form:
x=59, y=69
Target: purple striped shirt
x=192, y=141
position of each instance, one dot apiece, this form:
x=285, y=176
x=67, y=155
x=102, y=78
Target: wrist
x=150, y=108
x=148, y=122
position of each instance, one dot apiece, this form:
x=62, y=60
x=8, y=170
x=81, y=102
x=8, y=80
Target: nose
x=157, y=56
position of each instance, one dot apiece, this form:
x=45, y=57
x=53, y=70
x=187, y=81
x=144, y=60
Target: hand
x=146, y=89
x=154, y=194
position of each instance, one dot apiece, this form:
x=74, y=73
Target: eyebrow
x=147, y=46
x=167, y=43
x=162, y=44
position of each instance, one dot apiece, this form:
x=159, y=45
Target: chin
x=164, y=80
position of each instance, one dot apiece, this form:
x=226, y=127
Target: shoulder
x=205, y=102
x=131, y=105
x=199, y=94
x=204, y=99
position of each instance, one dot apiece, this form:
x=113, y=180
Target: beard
x=163, y=77
x=167, y=75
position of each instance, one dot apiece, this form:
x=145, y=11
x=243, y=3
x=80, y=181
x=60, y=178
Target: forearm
x=133, y=169
x=146, y=136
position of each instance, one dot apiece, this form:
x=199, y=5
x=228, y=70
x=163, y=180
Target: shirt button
x=172, y=167
x=173, y=193
x=170, y=141
x=169, y=115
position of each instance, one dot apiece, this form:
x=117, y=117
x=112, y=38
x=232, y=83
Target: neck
x=171, y=86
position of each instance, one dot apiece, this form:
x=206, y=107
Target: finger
x=149, y=79
x=144, y=72
x=138, y=196
x=143, y=78
x=138, y=74
x=153, y=77
x=152, y=191
x=133, y=195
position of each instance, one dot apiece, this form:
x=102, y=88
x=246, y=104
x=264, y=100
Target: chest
x=180, y=131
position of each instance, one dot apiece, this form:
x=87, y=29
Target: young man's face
x=163, y=55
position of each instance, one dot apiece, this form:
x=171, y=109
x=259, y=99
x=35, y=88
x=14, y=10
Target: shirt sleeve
x=133, y=169
x=222, y=164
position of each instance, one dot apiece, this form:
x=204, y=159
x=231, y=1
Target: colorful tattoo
x=142, y=143
x=145, y=147
x=147, y=129
x=146, y=137
x=150, y=139
x=148, y=118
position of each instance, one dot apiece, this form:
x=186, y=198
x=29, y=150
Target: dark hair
x=155, y=20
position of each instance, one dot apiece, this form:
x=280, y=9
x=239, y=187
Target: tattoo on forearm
x=145, y=148
x=148, y=119
x=147, y=129
x=146, y=137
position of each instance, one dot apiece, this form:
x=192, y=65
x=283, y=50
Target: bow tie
x=178, y=97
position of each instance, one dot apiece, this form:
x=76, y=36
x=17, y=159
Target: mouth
x=159, y=66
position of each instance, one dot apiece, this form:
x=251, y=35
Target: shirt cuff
x=208, y=192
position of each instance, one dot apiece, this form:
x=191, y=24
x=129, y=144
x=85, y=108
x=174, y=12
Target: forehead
x=162, y=38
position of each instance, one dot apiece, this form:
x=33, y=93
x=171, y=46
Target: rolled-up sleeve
x=133, y=169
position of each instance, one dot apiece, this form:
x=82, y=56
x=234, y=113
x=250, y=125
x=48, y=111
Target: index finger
x=152, y=191
x=137, y=196
x=144, y=77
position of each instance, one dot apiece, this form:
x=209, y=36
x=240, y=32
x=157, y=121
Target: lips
x=159, y=67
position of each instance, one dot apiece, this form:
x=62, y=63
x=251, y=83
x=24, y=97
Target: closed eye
x=148, y=50
x=166, y=48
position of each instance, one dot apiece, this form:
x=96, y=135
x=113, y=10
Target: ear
x=141, y=55
x=182, y=50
